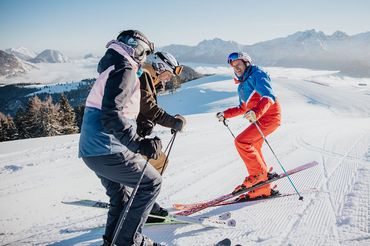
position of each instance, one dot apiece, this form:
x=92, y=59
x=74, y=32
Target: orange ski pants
x=249, y=143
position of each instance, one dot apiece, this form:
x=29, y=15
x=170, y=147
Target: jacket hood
x=117, y=53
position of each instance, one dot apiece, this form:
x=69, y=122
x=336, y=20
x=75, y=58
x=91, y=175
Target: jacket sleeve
x=232, y=112
x=236, y=111
x=263, y=87
x=118, y=90
x=148, y=104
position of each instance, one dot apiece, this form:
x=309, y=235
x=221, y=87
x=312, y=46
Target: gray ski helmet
x=139, y=42
x=164, y=61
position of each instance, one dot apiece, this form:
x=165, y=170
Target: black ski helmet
x=139, y=42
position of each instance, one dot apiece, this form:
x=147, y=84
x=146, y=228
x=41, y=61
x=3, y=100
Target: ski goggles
x=178, y=70
x=175, y=69
x=143, y=47
x=233, y=57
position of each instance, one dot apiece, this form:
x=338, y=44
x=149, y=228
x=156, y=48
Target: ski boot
x=259, y=193
x=158, y=211
x=251, y=180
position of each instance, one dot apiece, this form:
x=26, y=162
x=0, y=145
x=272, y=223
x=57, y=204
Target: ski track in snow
x=36, y=174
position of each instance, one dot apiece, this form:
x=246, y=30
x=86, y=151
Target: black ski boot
x=157, y=211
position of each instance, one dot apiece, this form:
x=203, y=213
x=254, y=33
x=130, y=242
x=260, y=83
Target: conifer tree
x=48, y=123
x=11, y=131
x=19, y=123
x=2, y=130
x=8, y=130
x=67, y=116
x=31, y=119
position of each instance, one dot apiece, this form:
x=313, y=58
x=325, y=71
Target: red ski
x=193, y=208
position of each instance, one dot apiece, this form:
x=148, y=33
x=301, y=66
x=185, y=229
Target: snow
x=49, y=73
x=328, y=124
x=55, y=88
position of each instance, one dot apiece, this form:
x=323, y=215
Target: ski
x=224, y=220
x=237, y=200
x=88, y=203
x=263, y=198
x=200, y=206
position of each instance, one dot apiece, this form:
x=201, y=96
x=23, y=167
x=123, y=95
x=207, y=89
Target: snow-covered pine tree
x=2, y=129
x=11, y=131
x=8, y=130
x=48, y=124
x=31, y=118
x=67, y=117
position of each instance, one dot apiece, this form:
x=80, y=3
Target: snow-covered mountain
x=309, y=49
x=207, y=51
x=22, y=53
x=50, y=56
x=11, y=66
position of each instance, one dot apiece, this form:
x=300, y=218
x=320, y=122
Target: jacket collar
x=153, y=74
x=124, y=50
x=245, y=76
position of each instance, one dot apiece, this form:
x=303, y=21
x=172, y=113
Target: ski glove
x=150, y=147
x=251, y=116
x=145, y=128
x=180, y=123
x=220, y=116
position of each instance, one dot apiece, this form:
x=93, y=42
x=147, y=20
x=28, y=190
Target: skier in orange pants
x=258, y=103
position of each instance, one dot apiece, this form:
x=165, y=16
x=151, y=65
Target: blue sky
x=78, y=27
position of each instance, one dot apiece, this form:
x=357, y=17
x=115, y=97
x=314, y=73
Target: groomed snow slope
x=329, y=124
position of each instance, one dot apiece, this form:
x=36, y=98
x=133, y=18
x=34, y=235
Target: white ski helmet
x=164, y=61
x=239, y=56
x=139, y=42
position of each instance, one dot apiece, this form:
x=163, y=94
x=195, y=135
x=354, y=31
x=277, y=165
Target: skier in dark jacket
x=161, y=69
x=109, y=144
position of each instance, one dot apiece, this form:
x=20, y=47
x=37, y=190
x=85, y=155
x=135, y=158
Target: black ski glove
x=180, y=123
x=145, y=128
x=150, y=147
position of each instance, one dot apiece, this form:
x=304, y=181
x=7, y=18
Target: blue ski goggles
x=234, y=56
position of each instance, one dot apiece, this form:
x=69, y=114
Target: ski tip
x=301, y=198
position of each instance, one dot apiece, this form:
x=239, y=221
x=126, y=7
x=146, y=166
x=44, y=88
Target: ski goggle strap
x=143, y=47
x=233, y=56
x=175, y=69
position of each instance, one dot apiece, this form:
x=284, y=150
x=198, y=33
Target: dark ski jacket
x=150, y=112
x=109, y=122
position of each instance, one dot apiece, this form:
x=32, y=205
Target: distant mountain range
x=16, y=61
x=50, y=56
x=22, y=53
x=10, y=65
x=308, y=49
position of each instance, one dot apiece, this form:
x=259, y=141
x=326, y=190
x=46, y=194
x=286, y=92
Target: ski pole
x=224, y=121
x=264, y=138
x=124, y=214
x=170, y=144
